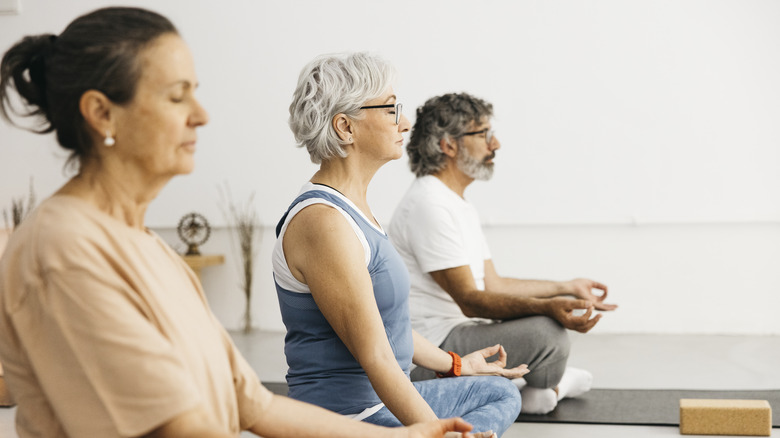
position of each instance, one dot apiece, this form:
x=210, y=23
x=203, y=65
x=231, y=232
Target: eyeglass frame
x=398, y=109
x=489, y=134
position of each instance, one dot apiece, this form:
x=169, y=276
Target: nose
x=404, y=125
x=494, y=144
x=199, y=115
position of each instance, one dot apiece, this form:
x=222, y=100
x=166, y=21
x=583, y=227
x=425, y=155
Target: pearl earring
x=109, y=140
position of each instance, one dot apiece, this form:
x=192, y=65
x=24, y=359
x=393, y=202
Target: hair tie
x=39, y=58
x=47, y=51
x=37, y=68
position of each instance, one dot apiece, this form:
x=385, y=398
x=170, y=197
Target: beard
x=473, y=167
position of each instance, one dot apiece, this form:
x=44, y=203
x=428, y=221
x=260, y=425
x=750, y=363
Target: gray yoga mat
x=641, y=407
x=645, y=407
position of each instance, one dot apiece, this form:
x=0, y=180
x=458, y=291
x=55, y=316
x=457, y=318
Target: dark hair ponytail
x=97, y=51
x=24, y=64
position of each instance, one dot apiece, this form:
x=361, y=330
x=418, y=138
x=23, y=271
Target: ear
x=343, y=127
x=449, y=147
x=96, y=109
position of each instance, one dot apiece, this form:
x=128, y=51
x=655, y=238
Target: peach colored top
x=105, y=331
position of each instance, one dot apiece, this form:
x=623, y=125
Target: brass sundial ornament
x=194, y=230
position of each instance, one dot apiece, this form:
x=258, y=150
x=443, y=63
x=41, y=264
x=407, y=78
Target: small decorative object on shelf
x=194, y=230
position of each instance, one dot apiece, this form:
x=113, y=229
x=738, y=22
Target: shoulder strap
x=322, y=195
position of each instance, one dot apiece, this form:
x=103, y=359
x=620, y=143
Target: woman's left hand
x=475, y=364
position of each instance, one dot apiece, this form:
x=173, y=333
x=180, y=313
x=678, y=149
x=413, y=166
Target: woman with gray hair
x=343, y=289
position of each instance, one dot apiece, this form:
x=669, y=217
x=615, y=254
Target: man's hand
x=475, y=364
x=562, y=310
x=583, y=288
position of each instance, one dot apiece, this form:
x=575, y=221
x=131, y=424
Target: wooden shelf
x=198, y=262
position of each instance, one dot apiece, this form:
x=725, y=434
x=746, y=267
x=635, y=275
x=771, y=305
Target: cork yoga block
x=725, y=417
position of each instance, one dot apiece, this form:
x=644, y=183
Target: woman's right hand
x=448, y=428
x=488, y=434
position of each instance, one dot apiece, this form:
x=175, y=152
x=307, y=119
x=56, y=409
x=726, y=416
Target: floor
x=616, y=361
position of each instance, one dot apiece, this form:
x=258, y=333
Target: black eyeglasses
x=398, y=107
x=489, y=133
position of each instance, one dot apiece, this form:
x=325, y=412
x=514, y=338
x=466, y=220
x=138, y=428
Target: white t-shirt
x=433, y=228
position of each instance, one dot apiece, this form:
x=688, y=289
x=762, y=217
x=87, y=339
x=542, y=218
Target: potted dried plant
x=18, y=210
x=243, y=220
x=12, y=219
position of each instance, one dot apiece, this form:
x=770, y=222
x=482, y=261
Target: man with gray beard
x=458, y=301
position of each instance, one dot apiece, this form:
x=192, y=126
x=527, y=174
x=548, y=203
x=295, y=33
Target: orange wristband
x=455, y=370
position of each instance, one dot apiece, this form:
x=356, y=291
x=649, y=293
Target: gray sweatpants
x=538, y=341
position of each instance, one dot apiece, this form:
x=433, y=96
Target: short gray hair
x=446, y=116
x=330, y=85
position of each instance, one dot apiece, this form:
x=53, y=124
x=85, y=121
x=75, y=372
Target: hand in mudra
x=476, y=364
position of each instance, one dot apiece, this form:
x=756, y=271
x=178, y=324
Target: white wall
x=660, y=114
x=695, y=278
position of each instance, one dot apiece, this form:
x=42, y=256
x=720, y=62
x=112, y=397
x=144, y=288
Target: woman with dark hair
x=104, y=331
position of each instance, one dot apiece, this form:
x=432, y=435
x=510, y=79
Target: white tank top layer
x=281, y=271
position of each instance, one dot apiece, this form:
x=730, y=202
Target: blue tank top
x=322, y=371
